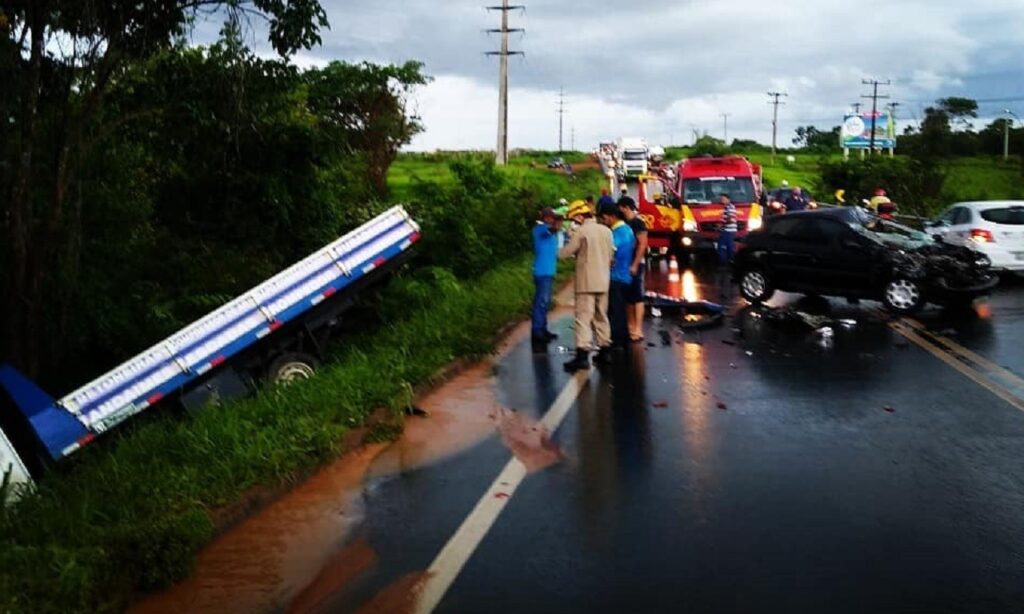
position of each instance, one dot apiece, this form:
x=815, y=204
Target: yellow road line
x=1010, y=377
x=947, y=357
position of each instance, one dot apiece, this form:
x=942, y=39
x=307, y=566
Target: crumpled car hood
x=951, y=265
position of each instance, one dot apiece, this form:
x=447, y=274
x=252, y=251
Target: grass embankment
x=131, y=514
x=412, y=169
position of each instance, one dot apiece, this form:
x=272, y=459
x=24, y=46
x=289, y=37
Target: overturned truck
x=273, y=332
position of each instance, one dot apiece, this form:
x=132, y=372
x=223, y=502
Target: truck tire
x=291, y=367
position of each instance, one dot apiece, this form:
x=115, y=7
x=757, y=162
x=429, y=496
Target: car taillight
x=980, y=235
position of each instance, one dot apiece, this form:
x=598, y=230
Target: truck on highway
x=698, y=184
x=274, y=332
x=631, y=153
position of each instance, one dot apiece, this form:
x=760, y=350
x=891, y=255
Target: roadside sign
x=856, y=131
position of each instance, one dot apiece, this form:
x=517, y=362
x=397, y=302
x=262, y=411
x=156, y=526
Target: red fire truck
x=699, y=182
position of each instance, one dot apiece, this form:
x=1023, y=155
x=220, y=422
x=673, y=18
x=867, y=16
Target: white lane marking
x=453, y=557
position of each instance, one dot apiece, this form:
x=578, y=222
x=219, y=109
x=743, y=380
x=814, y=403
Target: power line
x=874, y=83
x=775, y=102
x=501, y=154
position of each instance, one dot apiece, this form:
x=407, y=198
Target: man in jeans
x=729, y=227
x=621, y=278
x=545, y=259
x=591, y=245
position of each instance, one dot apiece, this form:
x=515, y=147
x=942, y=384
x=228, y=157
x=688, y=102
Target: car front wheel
x=755, y=286
x=903, y=296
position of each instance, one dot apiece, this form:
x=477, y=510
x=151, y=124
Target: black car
x=850, y=253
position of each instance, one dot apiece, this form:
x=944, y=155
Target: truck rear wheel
x=292, y=367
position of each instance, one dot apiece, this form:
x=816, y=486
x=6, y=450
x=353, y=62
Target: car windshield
x=889, y=232
x=636, y=154
x=1013, y=216
x=709, y=189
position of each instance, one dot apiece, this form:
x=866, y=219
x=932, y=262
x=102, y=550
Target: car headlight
x=754, y=223
x=690, y=226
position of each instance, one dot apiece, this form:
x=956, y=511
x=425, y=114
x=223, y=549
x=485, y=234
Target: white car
x=992, y=227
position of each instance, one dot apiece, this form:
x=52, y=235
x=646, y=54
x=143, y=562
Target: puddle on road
x=293, y=554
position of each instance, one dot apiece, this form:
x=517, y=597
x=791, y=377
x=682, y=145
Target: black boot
x=604, y=356
x=581, y=361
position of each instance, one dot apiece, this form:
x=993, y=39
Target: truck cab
x=632, y=153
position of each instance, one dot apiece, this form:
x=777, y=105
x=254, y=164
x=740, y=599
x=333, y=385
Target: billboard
x=856, y=131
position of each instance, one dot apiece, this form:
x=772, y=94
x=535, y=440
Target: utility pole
x=892, y=118
x=561, y=114
x=775, y=102
x=856, y=107
x=501, y=154
x=572, y=138
x=1006, y=133
x=725, y=127
x=874, y=83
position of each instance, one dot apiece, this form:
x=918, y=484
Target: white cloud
x=658, y=67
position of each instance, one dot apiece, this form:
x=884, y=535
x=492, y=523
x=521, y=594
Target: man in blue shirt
x=545, y=258
x=605, y=199
x=621, y=277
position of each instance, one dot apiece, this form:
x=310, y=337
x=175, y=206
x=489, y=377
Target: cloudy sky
x=663, y=69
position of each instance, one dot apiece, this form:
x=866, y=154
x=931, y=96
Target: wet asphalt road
x=745, y=468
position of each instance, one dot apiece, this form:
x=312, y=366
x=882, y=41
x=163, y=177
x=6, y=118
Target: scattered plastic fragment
x=749, y=353
x=655, y=312
x=732, y=365
x=890, y=409
x=722, y=406
x=501, y=495
x=728, y=342
x=651, y=344
x=563, y=350
x=847, y=323
x=661, y=404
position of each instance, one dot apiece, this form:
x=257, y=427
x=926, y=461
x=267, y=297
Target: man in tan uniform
x=591, y=244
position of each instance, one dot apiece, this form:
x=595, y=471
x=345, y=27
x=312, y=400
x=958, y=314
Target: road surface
x=747, y=468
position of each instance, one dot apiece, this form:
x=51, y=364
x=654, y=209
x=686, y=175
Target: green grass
x=527, y=168
x=132, y=512
x=983, y=179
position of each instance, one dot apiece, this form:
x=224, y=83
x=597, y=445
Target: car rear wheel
x=903, y=296
x=755, y=286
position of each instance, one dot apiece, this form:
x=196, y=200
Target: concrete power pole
x=561, y=116
x=874, y=83
x=572, y=138
x=501, y=154
x=775, y=102
x=1006, y=133
x=725, y=127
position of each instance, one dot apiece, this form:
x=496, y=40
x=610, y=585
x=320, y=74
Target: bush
x=915, y=186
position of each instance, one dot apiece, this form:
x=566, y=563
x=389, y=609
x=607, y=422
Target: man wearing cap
x=625, y=245
x=591, y=244
x=637, y=270
x=545, y=258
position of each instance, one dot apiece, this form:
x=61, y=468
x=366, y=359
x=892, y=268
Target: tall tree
x=58, y=61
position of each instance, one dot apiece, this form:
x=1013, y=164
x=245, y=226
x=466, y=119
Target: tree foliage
x=813, y=139
x=914, y=185
x=130, y=163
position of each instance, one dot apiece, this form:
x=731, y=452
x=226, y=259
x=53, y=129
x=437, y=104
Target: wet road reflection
x=748, y=467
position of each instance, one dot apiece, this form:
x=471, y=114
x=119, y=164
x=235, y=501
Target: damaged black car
x=848, y=252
